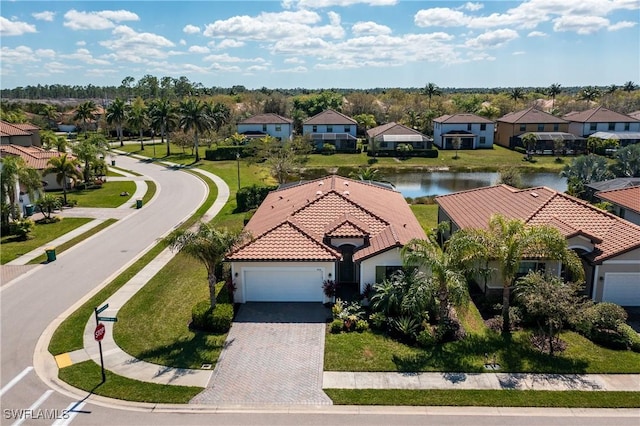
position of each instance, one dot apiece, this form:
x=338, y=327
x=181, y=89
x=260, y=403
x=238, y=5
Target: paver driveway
x=274, y=355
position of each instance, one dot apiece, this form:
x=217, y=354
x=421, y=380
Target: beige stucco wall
x=368, y=266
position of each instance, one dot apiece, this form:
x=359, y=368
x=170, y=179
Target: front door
x=346, y=271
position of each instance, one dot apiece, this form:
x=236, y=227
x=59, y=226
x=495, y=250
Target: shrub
x=631, y=336
x=608, y=316
x=251, y=197
x=425, y=338
x=337, y=308
x=406, y=327
x=336, y=326
x=520, y=149
x=330, y=288
x=611, y=339
x=328, y=149
x=378, y=320
x=217, y=320
x=226, y=153
x=22, y=228
x=361, y=325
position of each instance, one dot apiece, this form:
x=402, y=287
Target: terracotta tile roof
x=35, y=157
x=634, y=114
x=461, y=119
x=599, y=115
x=392, y=129
x=629, y=198
x=266, y=119
x=330, y=117
x=26, y=126
x=331, y=206
x=530, y=115
x=610, y=234
x=10, y=129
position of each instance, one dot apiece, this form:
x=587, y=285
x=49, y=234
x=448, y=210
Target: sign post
x=99, y=333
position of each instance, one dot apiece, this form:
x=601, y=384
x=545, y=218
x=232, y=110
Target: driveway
x=274, y=355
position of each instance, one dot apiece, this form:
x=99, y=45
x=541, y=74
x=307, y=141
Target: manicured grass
x=151, y=191
x=72, y=242
x=87, y=376
x=41, y=235
x=369, y=351
x=124, y=170
x=485, y=398
x=107, y=196
x=162, y=308
x=427, y=215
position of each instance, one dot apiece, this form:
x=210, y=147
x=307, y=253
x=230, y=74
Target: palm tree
x=584, y=170
x=16, y=174
x=194, y=116
x=84, y=112
x=88, y=151
x=65, y=169
x=431, y=90
x=163, y=118
x=529, y=140
x=589, y=94
x=209, y=245
x=629, y=86
x=516, y=94
x=117, y=116
x=507, y=242
x=138, y=118
x=554, y=90
x=365, y=174
x=219, y=113
x=446, y=274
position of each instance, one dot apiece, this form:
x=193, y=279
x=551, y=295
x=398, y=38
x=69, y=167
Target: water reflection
x=441, y=183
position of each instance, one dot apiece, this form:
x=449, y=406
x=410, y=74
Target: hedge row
x=426, y=153
x=251, y=197
x=226, y=153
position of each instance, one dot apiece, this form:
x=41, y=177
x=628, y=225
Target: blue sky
x=322, y=43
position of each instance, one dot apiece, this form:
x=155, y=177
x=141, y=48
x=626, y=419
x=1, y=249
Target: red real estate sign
x=99, y=332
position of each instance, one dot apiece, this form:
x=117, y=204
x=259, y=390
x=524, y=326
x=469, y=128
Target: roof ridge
x=306, y=234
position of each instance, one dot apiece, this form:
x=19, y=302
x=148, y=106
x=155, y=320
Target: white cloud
x=298, y=69
x=318, y=4
x=136, y=47
x=294, y=61
x=254, y=68
x=102, y=20
x=519, y=52
x=492, y=39
x=83, y=55
x=369, y=28
x=537, y=34
x=334, y=18
x=81, y=43
x=440, y=17
x=473, y=6
x=44, y=16
x=228, y=43
x=225, y=57
x=621, y=25
x=191, y=29
x=580, y=24
x=45, y=53
x=182, y=42
x=15, y=28
x=19, y=55
x=199, y=49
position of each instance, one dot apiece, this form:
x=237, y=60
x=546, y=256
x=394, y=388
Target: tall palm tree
x=138, y=118
x=516, y=94
x=88, y=150
x=529, y=141
x=164, y=119
x=85, y=112
x=117, y=116
x=194, y=116
x=64, y=169
x=431, y=90
x=446, y=274
x=507, y=242
x=15, y=175
x=207, y=244
x=219, y=113
x=554, y=90
x=589, y=94
x=629, y=86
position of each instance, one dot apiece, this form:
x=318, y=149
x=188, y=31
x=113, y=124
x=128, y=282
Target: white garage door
x=283, y=285
x=622, y=288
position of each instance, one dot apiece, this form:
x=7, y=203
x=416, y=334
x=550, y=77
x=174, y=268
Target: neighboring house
x=23, y=134
x=607, y=185
x=333, y=228
x=626, y=202
x=512, y=125
x=634, y=114
x=623, y=138
x=387, y=137
x=333, y=128
x=608, y=245
x=37, y=158
x=474, y=131
x=600, y=119
x=262, y=125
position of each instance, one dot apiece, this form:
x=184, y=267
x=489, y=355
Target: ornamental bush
x=216, y=320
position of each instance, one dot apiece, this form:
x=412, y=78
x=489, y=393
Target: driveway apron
x=273, y=355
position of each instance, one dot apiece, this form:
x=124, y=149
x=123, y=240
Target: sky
x=315, y=44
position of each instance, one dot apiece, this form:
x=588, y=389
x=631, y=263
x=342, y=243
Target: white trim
x=621, y=262
x=596, y=280
x=276, y=268
x=577, y=246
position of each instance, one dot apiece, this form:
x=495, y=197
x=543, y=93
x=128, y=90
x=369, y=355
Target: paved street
x=274, y=355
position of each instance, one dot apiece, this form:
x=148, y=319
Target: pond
x=441, y=183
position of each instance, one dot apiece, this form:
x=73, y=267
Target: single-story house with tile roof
x=600, y=119
x=333, y=128
x=514, y=124
x=37, y=158
x=606, y=185
x=609, y=246
x=387, y=137
x=261, y=125
x=332, y=228
x=474, y=131
x=23, y=134
x=626, y=202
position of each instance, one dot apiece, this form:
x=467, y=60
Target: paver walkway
x=273, y=355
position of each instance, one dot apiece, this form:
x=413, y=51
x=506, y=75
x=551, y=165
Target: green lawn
x=40, y=236
x=485, y=398
x=163, y=310
x=427, y=215
x=107, y=196
x=370, y=351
